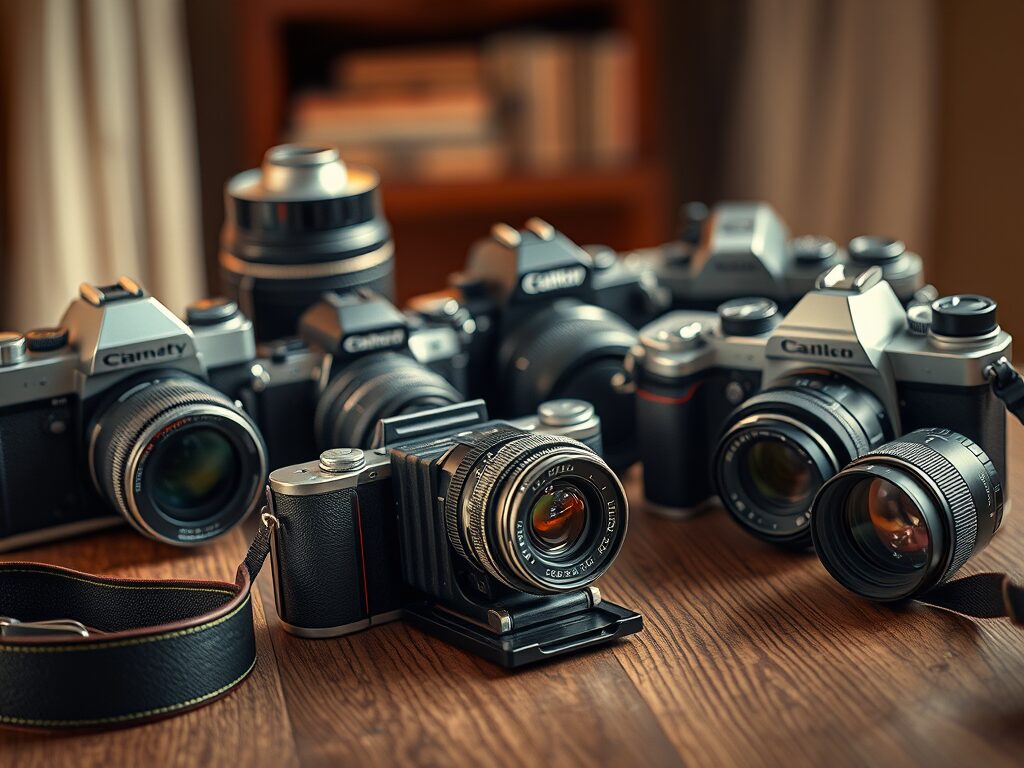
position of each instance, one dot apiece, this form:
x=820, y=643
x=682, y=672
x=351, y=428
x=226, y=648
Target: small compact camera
x=551, y=319
x=488, y=534
x=357, y=359
x=781, y=404
x=121, y=412
x=744, y=249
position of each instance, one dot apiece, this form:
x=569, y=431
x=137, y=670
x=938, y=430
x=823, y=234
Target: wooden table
x=749, y=656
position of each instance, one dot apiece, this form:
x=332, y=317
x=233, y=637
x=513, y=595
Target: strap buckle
x=10, y=627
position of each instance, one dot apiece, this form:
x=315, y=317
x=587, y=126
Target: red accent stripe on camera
x=663, y=400
x=362, y=554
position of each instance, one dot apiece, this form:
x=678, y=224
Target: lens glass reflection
x=192, y=472
x=778, y=474
x=558, y=517
x=887, y=525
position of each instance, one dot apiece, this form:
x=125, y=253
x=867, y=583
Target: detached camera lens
x=178, y=460
x=539, y=513
x=302, y=224
x=905, y=517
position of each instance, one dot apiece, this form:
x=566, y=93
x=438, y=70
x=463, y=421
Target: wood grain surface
x=749, y=656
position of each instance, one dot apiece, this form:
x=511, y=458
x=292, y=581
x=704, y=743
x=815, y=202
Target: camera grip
x=318, y=564
x=673, y=429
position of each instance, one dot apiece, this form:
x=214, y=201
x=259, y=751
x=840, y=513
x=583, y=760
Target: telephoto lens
x=905, y=517
x=302, y=224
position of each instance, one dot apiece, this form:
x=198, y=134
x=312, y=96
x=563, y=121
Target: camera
x=356, y=360
x=124, y=407
x=744, y=249
x=301, y=224
x=782, y=404
x=550, y=320
x=488, y=534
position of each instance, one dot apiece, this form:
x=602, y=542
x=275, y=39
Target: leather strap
x=152, y=649
x=983, y=596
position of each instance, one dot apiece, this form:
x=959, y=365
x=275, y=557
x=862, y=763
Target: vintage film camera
x=781, y=404
x=744, y=249
x=122, y=412
x=549, y=320
x=489, y=534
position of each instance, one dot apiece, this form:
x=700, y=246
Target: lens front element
x=195, y=471
x=558, y=517
x=887, y=524
x=779, y=473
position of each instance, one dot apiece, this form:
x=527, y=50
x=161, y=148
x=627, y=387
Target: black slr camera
x=744, y=249
x=357, y=359
x=550, y=320
x=781, y=405
x=124, y=407
x=488, y=534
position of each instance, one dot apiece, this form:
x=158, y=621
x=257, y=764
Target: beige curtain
x=100, y=157
x=835, y=115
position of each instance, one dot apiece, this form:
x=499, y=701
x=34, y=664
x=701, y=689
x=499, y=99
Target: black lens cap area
x=210, y=311
x=813, y=249
x=750, y=316
x=963, y=315
x=872, y=249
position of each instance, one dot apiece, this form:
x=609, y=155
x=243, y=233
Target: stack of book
x=539, y=103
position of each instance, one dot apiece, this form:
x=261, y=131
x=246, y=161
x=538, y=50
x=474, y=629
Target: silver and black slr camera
x=356, y=359
x=121, y=413
x=744, y=249
x=781, y=404
x=488, y=534
x=551, y=319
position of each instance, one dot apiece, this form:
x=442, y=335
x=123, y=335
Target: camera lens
x=905, y=517
x=178, y=459
x=573, y=350
x=539, y=513
x=558, y=516
x=372, y=388
x=781, y=445
x=302, y=224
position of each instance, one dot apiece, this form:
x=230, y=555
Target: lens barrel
x=573, y=350
x=302, y=224
x=540, y=513
x=372, y=388
x=905, y=517
x=177, y=459
x=781, y=445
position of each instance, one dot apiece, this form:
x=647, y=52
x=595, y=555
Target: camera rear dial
x=541, y=514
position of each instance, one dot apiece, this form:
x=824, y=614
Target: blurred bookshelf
x=473, y=113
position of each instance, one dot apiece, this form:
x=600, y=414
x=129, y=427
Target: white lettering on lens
x=555, y=280
x=820, y=349
x=116, y=359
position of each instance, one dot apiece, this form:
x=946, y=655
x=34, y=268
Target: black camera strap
x=79, y=651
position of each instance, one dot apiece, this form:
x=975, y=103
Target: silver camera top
x=852, y=323
x=111, y=332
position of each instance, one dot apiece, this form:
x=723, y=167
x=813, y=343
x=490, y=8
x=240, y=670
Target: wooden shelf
x=569, y=191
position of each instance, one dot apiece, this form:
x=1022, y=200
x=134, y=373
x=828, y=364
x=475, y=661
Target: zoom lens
x=372, y=388
x=302, y=224
x=905, y=517
x=781, y=445
x=541, y=514
x=573, y=350
x=177, y=459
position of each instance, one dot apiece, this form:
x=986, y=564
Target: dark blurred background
x=122, y=120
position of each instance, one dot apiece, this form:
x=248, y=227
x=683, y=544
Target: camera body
x=745, y=249
x=356, y=359
x=435, y=526
x=843, y=372
x=118, y=365
x=551, y=319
